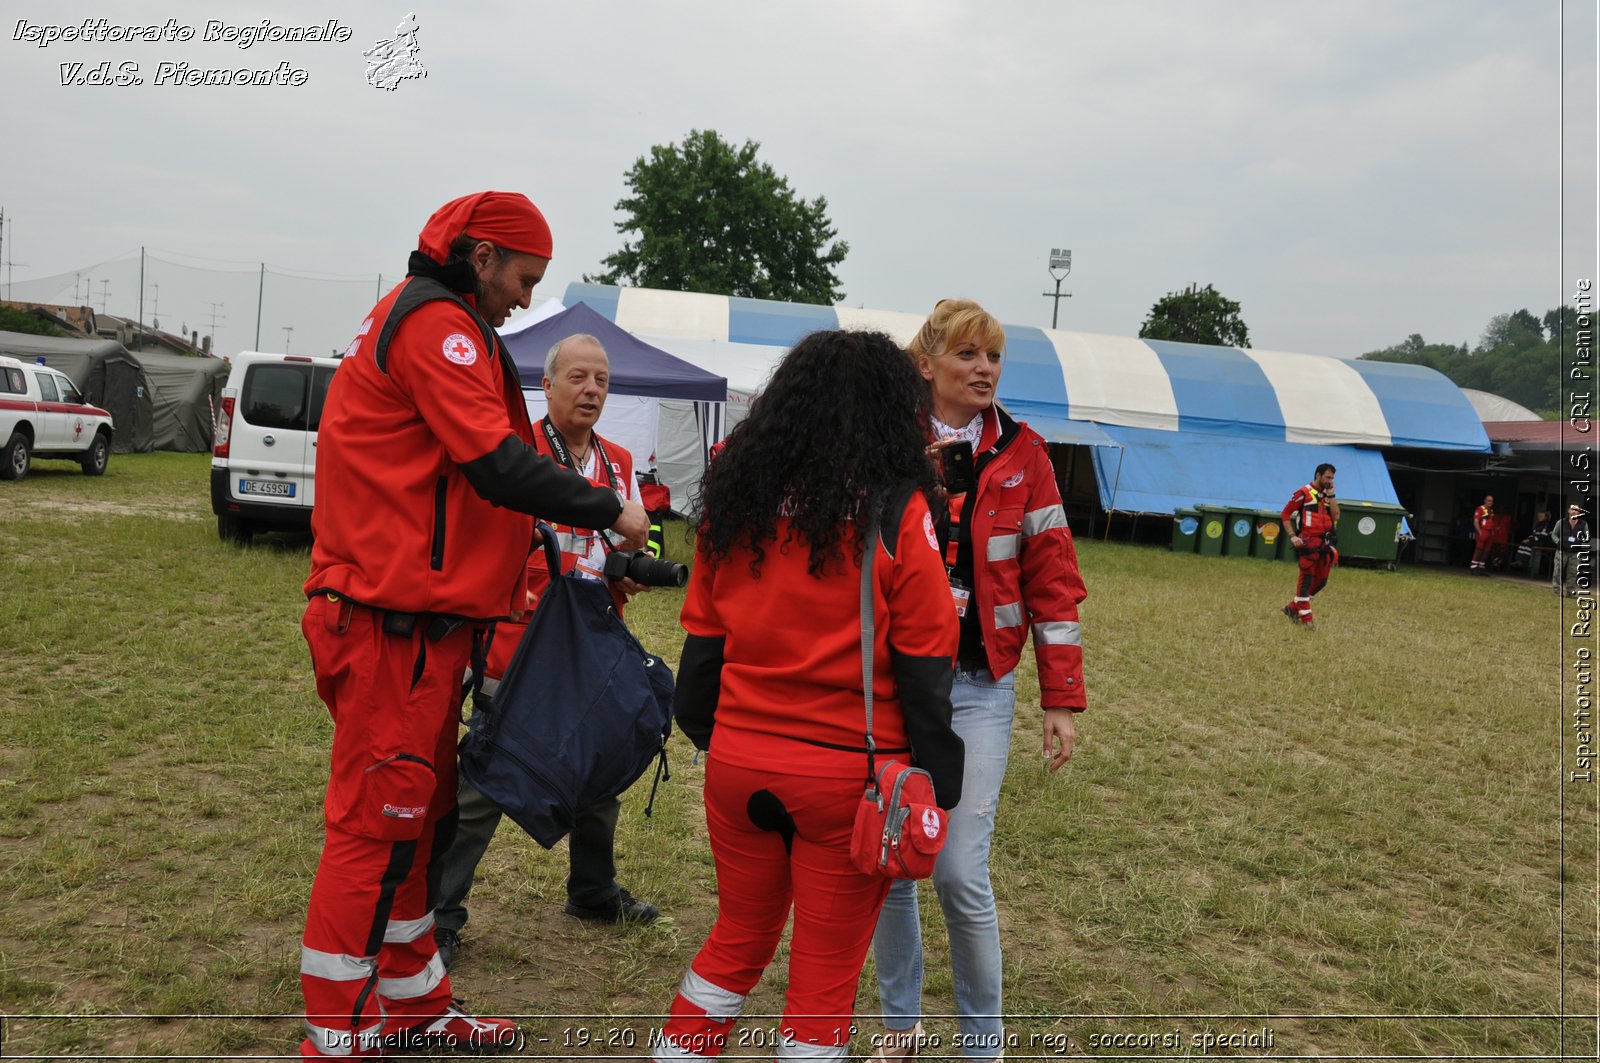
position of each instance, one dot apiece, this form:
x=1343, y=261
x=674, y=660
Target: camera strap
x=952, y=545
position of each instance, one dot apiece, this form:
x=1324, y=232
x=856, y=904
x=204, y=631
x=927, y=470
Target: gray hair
x=550, y=357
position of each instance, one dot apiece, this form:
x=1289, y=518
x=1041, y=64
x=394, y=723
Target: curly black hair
x=838, y=423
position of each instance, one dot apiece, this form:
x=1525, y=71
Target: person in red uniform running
x=770, y=680
x=426, y=481
x=1310, y=516
x=577, y=379
x=1483, y=533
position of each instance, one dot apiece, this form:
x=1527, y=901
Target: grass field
x=1349, y=840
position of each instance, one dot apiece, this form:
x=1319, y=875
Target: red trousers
x=1315, y=565
x=779, y=841
x=1484, y=551
x=368, y=963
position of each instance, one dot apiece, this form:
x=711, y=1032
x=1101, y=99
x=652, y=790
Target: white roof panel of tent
x=1115, y=380
x=691, y=315
x=1323, y=400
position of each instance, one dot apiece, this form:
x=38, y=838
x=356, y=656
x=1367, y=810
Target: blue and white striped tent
x=1172, y=424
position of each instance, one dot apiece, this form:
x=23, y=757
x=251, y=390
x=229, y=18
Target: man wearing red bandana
x=427, y=486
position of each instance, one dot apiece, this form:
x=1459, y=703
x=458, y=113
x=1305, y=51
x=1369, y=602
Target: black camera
x=642, y=568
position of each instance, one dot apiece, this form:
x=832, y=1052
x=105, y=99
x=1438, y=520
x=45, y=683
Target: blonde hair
x=952, y=321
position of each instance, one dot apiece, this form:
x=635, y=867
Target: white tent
x=1492, y=407
x=680, y=451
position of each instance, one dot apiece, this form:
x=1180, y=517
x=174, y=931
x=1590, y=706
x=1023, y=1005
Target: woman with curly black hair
x=770, y=681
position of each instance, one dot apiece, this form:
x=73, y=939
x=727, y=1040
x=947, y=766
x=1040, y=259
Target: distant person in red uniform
x=426, y=481
x=770, y=681
x=577, y=379
x=1311, y=517
x=1483, y=528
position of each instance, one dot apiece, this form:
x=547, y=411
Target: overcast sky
x=1351, y=173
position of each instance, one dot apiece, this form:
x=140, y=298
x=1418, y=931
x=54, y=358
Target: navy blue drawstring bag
x=579, y=715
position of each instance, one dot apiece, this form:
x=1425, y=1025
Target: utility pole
x=105, y=294
x=1060, y=259
x=286, y=330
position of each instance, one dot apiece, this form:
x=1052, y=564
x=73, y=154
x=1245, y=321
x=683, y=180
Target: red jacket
x=1307, y=516
x=1025, y=565
x=509, y=633
x=426, y=471
x=775, y=660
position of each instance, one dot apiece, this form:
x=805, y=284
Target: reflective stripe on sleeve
x=335, y=966
x=1057, y=633
x=1043, y=520
x=1002, y=547
x=405, y=931
x=720, y=1005
x=1008, y=615
x=789, y=1048
x=420, y=984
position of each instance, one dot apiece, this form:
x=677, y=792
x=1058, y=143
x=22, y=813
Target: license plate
x=277, y=488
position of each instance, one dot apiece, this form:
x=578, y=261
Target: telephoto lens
x=642, y=568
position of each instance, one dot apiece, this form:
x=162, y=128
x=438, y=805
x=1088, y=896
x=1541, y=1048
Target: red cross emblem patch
x=459, y=349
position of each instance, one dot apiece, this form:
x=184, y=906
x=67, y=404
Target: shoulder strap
x=418, y=292
x=894, y=510
x=868, y=639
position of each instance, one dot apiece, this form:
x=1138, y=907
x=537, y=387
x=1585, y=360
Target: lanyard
x=564, y=456
x=952, y=545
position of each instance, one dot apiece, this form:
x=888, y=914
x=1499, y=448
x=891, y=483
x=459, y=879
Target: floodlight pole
x=1060, y=259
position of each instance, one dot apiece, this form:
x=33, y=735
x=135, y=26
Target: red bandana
x=505, y=219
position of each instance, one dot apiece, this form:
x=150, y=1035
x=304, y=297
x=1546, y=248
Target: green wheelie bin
x=1241, y=532
x=1213, y=528
x=1369, y=530
x=1270, y=541
x=1185, y=530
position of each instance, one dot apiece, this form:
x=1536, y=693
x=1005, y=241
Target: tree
x=14, y=320
x=1196, y=315
x=1518, y=357
x=710, y=217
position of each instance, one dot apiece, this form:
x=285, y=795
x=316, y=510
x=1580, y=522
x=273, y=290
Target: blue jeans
x=984, y=707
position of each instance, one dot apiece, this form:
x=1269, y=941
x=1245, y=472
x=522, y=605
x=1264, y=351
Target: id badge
x=962, y=594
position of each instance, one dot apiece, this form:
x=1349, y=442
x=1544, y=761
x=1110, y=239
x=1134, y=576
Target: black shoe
x=1289, y=612
x=448, y=941
x=625, y=908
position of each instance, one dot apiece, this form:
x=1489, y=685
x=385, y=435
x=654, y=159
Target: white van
x=265, y=457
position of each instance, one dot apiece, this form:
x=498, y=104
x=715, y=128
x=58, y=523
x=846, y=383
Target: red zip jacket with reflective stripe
x=397, y=524
x=1307, y=515
x=1025, y=565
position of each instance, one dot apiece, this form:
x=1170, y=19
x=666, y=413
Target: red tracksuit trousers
x=1315, y=566
x=369, y=965
x=779, y=841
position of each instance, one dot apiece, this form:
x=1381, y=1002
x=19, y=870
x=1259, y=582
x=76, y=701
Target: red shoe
x=456, y=1031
